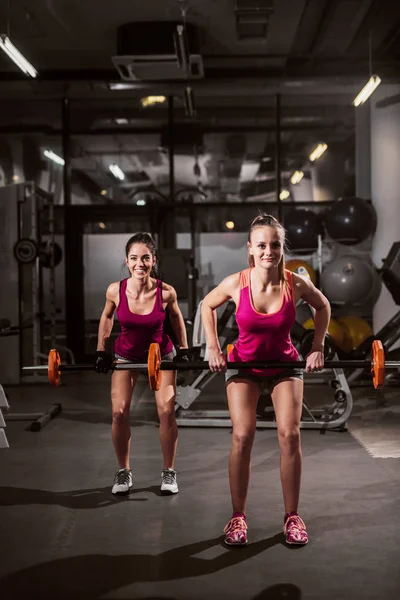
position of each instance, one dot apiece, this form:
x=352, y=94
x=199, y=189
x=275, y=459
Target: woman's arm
x=306, y=290
x=176, y=318
x=107, y=317
x=225, y=291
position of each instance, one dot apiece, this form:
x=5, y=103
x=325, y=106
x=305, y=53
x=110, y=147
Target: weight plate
x=25, y=251
x=153, y=367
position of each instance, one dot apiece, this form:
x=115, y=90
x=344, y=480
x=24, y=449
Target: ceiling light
x=103, y=192
x=284, y=194
x=121, y=121
x=16, y=56
x=367, y=90
x=102, y=225
x=54, y=157
x=152, y=100
x=117, y=172
x=297, y=177
x=230, y=225
x=120, y=87
x=15, y=178
x=318, y=152
x=141, y=202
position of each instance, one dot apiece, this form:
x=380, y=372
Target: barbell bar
x=155, y=365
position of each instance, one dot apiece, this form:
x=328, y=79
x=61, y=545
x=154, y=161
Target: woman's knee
x=120, y=414
x=243, y=439
x=289, y=439
x=166, y=413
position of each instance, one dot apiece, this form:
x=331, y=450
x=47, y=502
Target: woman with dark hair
x=265, y=295
x=140, y=302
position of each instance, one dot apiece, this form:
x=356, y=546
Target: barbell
x=155, y=365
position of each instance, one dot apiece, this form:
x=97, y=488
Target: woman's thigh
x=243, y=396
x=122, y=385
x=165, y=396
x=287, y=398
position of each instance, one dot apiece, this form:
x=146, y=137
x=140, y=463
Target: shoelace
x=294, y=522
x=236, y=524
x=169, y=477
x=122, y=477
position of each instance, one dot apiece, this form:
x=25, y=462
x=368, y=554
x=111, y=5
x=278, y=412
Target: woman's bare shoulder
x=113, y=291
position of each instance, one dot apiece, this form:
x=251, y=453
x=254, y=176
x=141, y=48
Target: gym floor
x=64, y=535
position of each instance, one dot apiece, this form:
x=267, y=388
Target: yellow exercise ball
x=301, y=267
x=335, y=330
x=358, y=330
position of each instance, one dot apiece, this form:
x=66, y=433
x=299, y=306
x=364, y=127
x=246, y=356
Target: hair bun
x=264, y=219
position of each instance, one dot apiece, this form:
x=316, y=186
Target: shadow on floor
x=76, y=499
x=100, y=574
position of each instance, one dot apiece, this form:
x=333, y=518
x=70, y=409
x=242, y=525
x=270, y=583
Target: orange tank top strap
x=245, y=278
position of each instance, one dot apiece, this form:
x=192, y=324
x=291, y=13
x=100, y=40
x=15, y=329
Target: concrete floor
x=64, y=535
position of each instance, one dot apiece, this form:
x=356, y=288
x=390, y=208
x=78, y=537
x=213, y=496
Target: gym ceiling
x=315, y=54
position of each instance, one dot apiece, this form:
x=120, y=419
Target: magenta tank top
x=139, y=331
x=264, y=336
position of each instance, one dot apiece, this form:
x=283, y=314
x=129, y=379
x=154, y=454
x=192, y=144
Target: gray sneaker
x=169, y=484
x=122, y=481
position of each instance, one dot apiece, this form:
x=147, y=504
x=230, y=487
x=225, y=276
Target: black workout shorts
x=265, y=382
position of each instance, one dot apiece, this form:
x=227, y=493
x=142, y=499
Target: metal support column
x=278, y=155
x=74, y=303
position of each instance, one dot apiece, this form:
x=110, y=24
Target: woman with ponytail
x=265, y=295
x=140, y=302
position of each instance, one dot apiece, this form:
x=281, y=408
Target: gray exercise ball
x=349, y=280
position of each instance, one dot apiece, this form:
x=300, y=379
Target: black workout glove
x=102, y=361
x=182, y=355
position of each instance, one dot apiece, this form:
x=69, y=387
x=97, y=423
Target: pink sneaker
x=295, y=530
x=236, y=532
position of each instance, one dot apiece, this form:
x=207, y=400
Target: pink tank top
x=139, y=331
x=264, y=336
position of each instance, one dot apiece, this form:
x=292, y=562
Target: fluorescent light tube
x=367, y=90
x=54, y=157
x=297, y=177
x=318, y=152
x=152, y=100
x=16, y=56
x=117, y=172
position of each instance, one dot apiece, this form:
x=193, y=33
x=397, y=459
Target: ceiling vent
x=158, y=51
x=252, y=19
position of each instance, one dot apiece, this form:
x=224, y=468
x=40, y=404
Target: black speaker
x=390, y=272
x=150, y=38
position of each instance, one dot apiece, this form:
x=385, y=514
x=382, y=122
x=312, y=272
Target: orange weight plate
x=229, y=349
x=378, y=364
x=54, y=374
x=153, y=367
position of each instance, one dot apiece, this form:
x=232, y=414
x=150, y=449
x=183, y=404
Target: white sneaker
x=169, y=484
x=122, y=481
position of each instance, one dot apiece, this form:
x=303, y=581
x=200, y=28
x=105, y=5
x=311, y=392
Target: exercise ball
x=302, y=229
x=376, y=290
x=350, y=220
x=335, y=330
x=301, y=267
x=348, y=280
x=358, y=330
